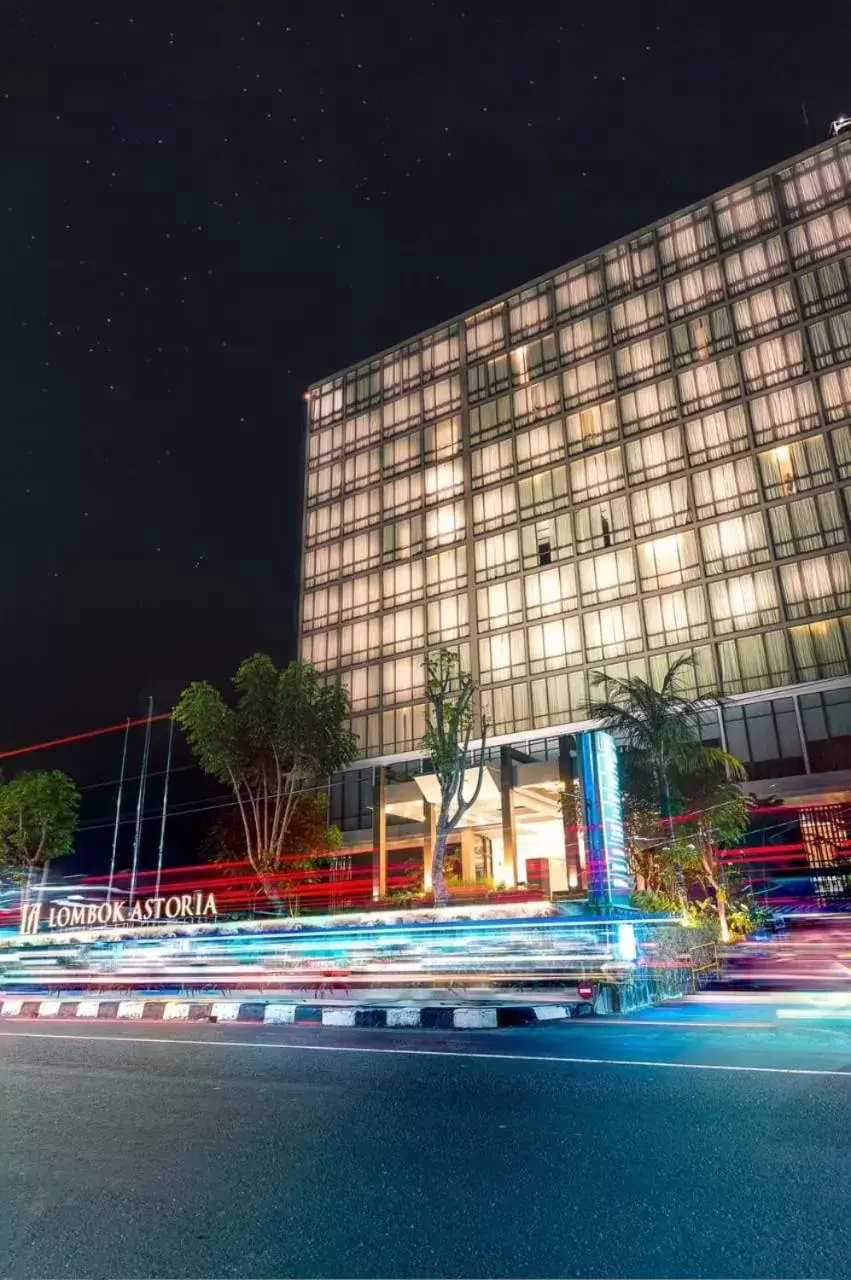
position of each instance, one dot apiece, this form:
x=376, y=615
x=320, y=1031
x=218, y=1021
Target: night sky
x=207, y=206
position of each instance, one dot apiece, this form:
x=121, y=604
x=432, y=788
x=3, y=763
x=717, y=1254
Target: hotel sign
x=88, y=915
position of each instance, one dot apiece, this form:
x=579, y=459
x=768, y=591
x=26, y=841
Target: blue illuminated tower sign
x=608, y=878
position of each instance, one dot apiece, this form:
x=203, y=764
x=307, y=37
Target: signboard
x=87, y=915
x=609, y=880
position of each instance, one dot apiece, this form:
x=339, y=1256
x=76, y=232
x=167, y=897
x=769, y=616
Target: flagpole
x=140, y=801
x=165, y=807
x=118, y=812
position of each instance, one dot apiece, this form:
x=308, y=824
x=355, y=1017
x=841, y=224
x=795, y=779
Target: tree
x=285, y=734
x=666, y=766
x=449, y=727
x=307, y=847
x=38, y=818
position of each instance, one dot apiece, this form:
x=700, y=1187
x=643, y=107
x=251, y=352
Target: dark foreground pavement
x=583, y=1150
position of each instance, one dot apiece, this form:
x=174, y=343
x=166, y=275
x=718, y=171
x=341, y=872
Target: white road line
x=437, y=1053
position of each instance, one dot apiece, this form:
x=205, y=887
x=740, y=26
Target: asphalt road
x=626, y=1149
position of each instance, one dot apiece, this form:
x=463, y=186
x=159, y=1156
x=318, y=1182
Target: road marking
x=437, y=1053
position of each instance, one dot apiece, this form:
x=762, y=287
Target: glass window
x=746, y=601
x=792, y=468
x=700, y=679
x=360, y=597
x=744, y=214
x=326, y=402
x=631, y=266
x=447, y=618
x=612, y=632
x=675, y=618
x=362, y=551
x=402, y=729
x=789, y=411
x=642, y=360
x=841, y=441
x=686, y=241
x=486, y=332
x=734, y=543
x=830, y=340
x=725, y=488
x=403, y=583
x=636, y=316
x=551, y=591
x=753, y=662
x=807, y=525
x=404, y=412
x=705, y=385
x=539, y=445
x=663, y=506
x=542, y=493
x=607, y=577
x=361, y=469
x=529, y=311
x=588, y=381
x=320, y=649
x=324, y=483
x=499, y=605
x=502, y=657
x=597, y=474
x=444, y=480
x=815, y=182
x=546, y=541
x=717, y=435
x=321, y=608
x=755, y=265
x=650, y=457
x=497, y=555
x=821, y=238
x=494, y=509
x=402, y=369
x=582, y=337
x=444, y=524
x=507, y=708
x=826, y=288
x=443, y=439
x=537, y=400
x=602, y=525
x=819, y=649
x=775, y=360
x=402, y=630
x=362, y=430
x=819, y=585
x=595, y=425
x=321, y=563
x=367, y=731
x=440, y=397
x=764, y=312
x=403, y=494
x=702, y=337
x=363, y=387
x=648, y=407
x=491, y=419
x=488, y=378
x=360, y=641
x=446, y=571
x=827, y=729
x=668, y=561
x=441, y=351
x=555, y=645
x=364, y=508
x=764, y=736
x=533, y=359
x=400, y=454
x=836, y=394
x=325, y=445
x=692, y=292
x=323, y=523
x=559, y=698
x=579, y=289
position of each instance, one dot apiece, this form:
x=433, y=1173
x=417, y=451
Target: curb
x=431, y=1017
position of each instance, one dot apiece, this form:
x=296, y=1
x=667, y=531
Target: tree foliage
x=449, y=728
x=284, y=734
x=38, y=818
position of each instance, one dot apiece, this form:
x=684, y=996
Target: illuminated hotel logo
x=30, y=917
x=180, y=906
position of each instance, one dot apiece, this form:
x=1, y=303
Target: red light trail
x=81, y=737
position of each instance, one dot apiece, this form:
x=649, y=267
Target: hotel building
x=644, y=453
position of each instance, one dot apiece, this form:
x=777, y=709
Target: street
x=646, y=1147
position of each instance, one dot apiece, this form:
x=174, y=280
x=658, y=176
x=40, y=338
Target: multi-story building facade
x=644, y=453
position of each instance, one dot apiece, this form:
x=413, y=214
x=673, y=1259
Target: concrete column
x=509, y=828
x=379, y=833
x=429, y=836
x=566, y=772
x=468, y=855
